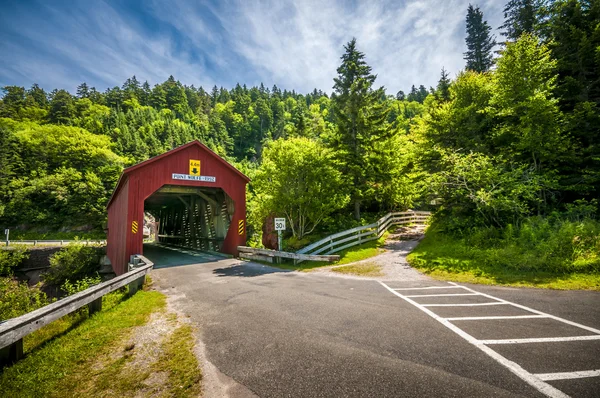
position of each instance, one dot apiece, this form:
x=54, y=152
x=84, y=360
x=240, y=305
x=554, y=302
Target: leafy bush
x=16, y=298
x=80, y=285
x=11, y=259
x=538, y=245
x=74, y=262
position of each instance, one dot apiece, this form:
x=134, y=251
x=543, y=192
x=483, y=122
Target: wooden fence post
x=95, y=306
x=12, y=353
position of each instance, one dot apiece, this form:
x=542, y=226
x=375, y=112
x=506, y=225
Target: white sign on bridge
x=280, y=224
x=193, y=178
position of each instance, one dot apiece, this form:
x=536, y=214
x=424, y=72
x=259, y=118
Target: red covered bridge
x=198, y=199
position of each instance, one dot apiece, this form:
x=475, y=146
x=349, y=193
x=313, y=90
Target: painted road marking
x=479, y=318
x=428, y=287
x=579, y=325
x=568, y=375
x=529, y=378
x=540, y=340
x=463, y=304
x=443, y=295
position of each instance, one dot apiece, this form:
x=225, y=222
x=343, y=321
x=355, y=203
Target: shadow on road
x=247, y=270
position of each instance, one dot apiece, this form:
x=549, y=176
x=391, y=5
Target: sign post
x=6, y=232
x=279, y=226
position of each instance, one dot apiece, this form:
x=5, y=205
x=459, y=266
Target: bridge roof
x=157, y=158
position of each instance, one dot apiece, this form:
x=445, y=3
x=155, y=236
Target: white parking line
x=443, y=295
x=568, y=375
x=529, y=378
x=428, y=287
x=483, y=318
x=463, y=304
x=579, y=325
x=541, y=340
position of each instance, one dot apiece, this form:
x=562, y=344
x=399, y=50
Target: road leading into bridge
x=274, y=333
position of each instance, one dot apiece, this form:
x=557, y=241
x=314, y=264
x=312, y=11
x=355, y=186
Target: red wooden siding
x=117, y=229
x=142, y=180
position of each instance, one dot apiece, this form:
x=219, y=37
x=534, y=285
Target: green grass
x=60, y=356
x=347, y=256
x=179, y=361
x=503, y=262
x=361, y=269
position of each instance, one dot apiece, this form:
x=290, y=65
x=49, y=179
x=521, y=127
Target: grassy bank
x=556, y=255
x=347, y=256
x=90, y=356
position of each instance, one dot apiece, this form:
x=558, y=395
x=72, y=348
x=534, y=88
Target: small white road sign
x=280, y=224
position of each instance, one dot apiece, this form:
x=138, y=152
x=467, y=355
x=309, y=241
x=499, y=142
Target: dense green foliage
x=514, y=136
x=80, y=285
x=11, y=258
x=16, y=298
x=297, y=179
x=540, y=252
x=73, y=263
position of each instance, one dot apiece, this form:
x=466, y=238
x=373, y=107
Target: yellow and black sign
x=241, y=227
x=194, y=167
x=134, y=227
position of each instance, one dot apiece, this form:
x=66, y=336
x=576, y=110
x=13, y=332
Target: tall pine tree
x=443, y=86
x=479, y=41
x=361, y=123
x=521, y=16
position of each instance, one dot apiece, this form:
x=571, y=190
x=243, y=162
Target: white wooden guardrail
x=268, y=255
x=359, y=235
x=13, y=330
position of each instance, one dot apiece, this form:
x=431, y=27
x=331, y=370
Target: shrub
x=16, y=298
x=73, y=263
x=80, y=285
x=11, y=259
x=556, y=246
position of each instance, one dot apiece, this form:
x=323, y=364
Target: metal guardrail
x=13, y=330
x=359, y=235
x=53, y=242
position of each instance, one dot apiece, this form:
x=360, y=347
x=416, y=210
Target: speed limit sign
x=280, y=224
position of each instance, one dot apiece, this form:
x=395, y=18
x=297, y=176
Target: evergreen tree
x=214, y=95
x=479, y=41
x=13, y=100
x=413, y=95
x=521, y=16
x=400, y=95
x=62, y=109
x=39, y=96
x=83, y=90
x=443, y=86
x=96, y=97
x=360, y=123
x=423, y=93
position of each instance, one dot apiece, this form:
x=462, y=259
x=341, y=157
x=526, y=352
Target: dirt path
x=392, y=261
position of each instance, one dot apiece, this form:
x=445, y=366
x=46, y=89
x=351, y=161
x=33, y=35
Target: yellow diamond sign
x=194, y=167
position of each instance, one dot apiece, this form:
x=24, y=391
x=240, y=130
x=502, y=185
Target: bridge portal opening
x=191, y=217
x=197, y=197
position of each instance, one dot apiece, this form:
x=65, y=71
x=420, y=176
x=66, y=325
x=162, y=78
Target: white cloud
x=294, y=44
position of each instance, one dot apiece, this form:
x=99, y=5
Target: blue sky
x=294, y=44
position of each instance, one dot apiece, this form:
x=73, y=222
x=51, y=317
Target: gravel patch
x=393, y=260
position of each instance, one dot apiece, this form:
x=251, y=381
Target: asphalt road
x=288, y=334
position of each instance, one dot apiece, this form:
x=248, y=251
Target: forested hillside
x=515, y=135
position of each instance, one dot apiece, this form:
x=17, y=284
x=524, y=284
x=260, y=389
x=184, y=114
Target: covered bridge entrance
x=196, y=197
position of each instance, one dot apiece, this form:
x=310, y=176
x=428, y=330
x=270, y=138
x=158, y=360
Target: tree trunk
x=357, y=210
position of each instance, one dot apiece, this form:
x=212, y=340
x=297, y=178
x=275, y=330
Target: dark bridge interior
x=192, y=217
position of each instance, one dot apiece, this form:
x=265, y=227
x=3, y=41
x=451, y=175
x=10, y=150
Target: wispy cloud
x=294, y=44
